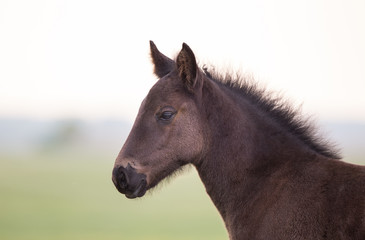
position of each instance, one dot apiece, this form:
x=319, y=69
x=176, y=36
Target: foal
x=262, y=166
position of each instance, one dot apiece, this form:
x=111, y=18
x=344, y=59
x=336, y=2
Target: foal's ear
x=163, y=64
x=187, y=67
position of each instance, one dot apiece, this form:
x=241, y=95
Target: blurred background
x=72, y=76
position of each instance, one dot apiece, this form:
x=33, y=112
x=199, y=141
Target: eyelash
x=166, y=114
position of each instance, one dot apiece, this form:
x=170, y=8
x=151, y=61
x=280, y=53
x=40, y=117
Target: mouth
x=138, y=192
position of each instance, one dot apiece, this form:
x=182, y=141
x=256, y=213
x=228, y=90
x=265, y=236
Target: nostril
x=120, y=179
x=123, y=180
x=129, y=182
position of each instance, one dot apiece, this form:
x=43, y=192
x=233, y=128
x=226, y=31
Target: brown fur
x=266, y=173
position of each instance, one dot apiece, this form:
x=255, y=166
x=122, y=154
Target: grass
x=72, y=197
x=63, y=196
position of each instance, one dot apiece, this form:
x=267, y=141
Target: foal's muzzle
x=129, y=182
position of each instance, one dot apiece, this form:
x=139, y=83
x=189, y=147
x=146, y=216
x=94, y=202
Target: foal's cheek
x=190, y=140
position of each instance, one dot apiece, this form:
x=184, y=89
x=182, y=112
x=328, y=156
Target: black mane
x=278, y=109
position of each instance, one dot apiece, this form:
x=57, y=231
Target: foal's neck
x=245, y=149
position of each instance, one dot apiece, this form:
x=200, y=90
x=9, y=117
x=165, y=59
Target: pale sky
x=90, y=59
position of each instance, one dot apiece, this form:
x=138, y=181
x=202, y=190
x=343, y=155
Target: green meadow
x=71, y=196
x=55, y=183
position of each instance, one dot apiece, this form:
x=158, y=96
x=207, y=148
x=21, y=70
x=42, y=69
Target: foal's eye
x=167, y=115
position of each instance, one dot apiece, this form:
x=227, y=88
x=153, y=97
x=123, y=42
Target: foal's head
x=168, y=131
